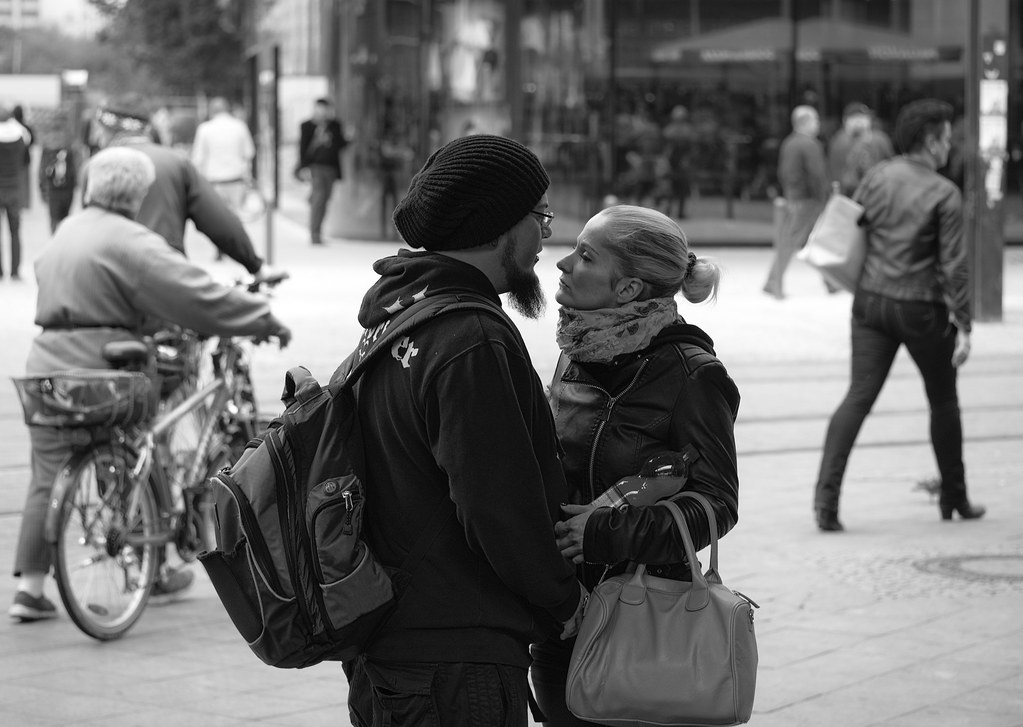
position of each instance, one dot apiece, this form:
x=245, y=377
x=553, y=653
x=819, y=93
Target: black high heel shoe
x=827, y=521
x=964, y=508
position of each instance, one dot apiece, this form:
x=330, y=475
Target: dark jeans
x=879, y=326
x=437, y=694
x=10, y=204
x=322, y=179
x=550, y=674
x=59, y=202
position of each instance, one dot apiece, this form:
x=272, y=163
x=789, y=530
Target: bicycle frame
x=144, y=445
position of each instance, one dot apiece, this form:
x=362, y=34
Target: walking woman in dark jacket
x=634, y=381
x=914, y=291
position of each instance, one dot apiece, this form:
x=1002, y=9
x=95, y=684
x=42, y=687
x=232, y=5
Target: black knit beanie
x=469, y=192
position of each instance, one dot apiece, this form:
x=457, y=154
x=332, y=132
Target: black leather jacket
x=915, y=249
x=612, y=418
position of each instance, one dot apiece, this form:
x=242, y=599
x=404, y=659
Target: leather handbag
x=837, y=244
x=654, y=651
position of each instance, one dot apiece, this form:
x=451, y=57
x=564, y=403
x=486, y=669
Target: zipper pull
x=746, y=598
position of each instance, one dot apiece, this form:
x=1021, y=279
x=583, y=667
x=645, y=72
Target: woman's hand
x=569, y=533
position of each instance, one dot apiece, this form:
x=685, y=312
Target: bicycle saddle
x=122, y=353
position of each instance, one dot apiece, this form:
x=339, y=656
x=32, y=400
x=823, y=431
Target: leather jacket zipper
x=605, y=415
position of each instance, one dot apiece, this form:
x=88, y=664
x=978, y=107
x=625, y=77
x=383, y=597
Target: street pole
x=16, y=26
x=274, y=114
x=985, y=154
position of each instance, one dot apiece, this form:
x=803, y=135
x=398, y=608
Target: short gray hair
x=802, y=115
x=118, y=178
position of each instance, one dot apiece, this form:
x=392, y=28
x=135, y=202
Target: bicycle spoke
x=108, y=545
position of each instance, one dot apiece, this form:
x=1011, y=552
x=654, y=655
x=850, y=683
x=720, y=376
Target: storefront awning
x=771, y=39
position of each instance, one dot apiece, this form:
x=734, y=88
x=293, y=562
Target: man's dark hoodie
x=460, y=441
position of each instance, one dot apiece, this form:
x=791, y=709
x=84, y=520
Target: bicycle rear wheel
x=107, y=549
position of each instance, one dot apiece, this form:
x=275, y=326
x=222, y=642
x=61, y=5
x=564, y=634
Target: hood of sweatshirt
x=412, y=276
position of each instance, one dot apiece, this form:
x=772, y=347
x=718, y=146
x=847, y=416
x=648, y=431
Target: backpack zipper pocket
x=333, y=509
x=261, y=557
x=287, y=514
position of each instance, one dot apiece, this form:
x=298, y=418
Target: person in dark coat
x=179, y=193
x=14, y=140
x=460, y=447
x=321, y=141
x=58, y=169
x=634, y=382
x=26, y=189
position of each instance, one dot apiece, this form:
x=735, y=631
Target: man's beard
x=525, y=294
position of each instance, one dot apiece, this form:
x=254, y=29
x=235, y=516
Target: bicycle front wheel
x=107, y=549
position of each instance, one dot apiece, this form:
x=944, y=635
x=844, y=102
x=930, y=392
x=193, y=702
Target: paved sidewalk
x=902, y=621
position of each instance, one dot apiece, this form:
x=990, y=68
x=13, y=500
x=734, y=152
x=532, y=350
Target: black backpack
x=291, y=567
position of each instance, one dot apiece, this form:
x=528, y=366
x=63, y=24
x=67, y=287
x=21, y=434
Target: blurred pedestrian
x=678, y=135
x=855, y=148
x=466, y=478
x=179, y=193
x=26, y=187
x=393, y=159
x=101, y=278
x=802, y=173
x=14, y=140
x=634, y=382
x=321, y=141
x=223, y=151
x=914, y=292
x=58, y=168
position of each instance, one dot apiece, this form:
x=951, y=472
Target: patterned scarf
x=598, y=336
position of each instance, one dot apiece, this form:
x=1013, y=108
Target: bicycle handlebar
x=270, y=280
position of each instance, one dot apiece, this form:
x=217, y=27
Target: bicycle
x=141, y=483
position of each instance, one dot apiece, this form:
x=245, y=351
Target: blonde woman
x=634, y=381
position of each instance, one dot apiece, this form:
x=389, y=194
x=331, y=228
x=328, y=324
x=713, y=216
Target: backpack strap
x=380, y=338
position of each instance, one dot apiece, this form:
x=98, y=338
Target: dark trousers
x=322, y=179
x=437, y=694
x=59, y=203
x=10, y=205
x=880, y=325
x=550, y=674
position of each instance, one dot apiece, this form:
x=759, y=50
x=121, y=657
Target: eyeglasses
x=546, y=218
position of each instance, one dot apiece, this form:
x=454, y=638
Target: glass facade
x=679, y=104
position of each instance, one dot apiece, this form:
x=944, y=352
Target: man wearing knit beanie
x=468, y=194
x=461, y=451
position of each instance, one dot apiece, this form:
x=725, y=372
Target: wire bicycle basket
x=86, y=398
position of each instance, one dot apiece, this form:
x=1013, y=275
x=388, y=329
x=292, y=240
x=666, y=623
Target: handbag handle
x=712, y=523
x=634, y=591
x=699, y=596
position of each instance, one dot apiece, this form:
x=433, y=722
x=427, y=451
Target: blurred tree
x=190, y=46
x=48, y=50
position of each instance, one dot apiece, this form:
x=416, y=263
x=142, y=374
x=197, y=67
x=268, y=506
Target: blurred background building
x=592, y=85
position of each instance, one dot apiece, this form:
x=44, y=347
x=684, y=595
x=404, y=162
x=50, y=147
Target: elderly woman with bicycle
x=105, y=278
